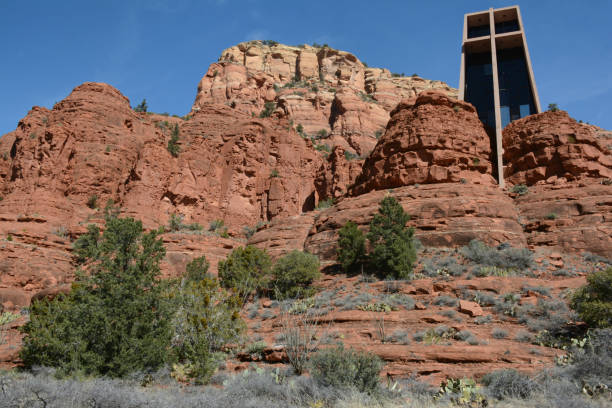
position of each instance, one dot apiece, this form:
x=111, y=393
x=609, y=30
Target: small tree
x=351, y=248
x=246, y=270
x=553, y=107
x=141, y=107
x=173, y=146
x=593, y=302
x=293, y=274
x=207, y=318
x=116, y=318
x=393, y=249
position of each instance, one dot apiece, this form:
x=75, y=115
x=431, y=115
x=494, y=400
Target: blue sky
x=159, y=50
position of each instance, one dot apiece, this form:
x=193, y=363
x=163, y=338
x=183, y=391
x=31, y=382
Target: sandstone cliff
x=320, y=89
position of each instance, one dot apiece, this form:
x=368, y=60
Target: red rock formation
x=571, y=216
x=567, y=166
x=550, y=144
x=337, y=174
x=448, y=214
x=434, y=139
x=317, y=88
x=231, y=167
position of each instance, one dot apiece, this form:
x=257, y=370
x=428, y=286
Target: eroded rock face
x=321, y=89
x=337, y=174
x=62, y=165
x=551, y=144
x=571, y=216
x=433, y=139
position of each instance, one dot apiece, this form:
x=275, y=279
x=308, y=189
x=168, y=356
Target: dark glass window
x=479, y=87
x=515, y=96
x=506, y=26
x=479, y=31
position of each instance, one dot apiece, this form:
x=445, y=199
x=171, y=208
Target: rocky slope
x=264, y=177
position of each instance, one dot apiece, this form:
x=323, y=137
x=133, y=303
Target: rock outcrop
x=568, y=168
x=433, y=139
x=62, y=165
x=337, y=174
x=552, y=144
x=448, y=215
x=318, y=88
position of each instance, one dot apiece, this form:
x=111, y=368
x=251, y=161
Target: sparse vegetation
x=173, y=146
x=350, y=155
x=553, y=107
x=92, y=201
x=141, y=107
x=498, y=333
x=342, y=368
x=325, y=203
x=593, y=302
x=322, y=134
x=175, y=224
x=502, y=256
x=269, y=107
x=520, y=189
x=300, y=335
x=504, y=384
x=218, y=227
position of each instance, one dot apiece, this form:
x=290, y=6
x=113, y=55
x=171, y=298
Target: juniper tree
x=351, y=248
x=393, y=248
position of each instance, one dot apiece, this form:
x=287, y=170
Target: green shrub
x=86, y=246
x=325, y=203
x=116, y=319
x=267, y=110
x=176, y=224
x=553, y=107
x=293, y=274
x=350, y=155
x=141, y=107
x=207, y=318
x=92, y=201
x=173, y=146
x=218, y=227
x=593, y=302
x=393, y=246
x=322, y=148
x=520, y=189
x=337, y=367
x=246, y=270
x=351, y=248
